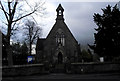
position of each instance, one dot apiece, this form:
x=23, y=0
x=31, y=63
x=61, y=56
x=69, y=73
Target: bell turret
x=60, y=11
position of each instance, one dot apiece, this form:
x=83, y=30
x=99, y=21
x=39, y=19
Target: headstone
x=101, y=59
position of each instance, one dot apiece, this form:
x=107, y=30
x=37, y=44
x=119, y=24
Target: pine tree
x=107, y=38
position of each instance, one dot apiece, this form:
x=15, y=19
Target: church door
x=60, y=58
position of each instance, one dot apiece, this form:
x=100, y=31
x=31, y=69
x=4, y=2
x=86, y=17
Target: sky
x=78, y=15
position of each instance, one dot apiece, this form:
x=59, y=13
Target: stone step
x=59, y=66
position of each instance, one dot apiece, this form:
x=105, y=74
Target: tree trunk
x=9, y=52
x=8, y=47
x=30, y=48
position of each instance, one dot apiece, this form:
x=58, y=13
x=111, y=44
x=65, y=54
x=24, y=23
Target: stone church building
x=60, y=46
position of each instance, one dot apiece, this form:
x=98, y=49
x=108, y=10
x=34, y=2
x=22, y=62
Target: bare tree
x=11, y=12
x=32, y=32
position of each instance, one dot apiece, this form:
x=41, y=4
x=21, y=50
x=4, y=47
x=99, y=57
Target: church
x=59, y=46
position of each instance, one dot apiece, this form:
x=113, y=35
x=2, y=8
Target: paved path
x=61, y=76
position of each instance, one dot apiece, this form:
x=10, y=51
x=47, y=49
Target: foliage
x=12, y=13
x=32, y=32
x=86, y=56
x=20, y=53
x=107, y=38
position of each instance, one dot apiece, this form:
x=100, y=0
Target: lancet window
x=60, y=39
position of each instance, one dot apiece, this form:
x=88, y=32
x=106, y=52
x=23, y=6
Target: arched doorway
x=60, y=58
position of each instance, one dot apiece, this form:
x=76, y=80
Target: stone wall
x=18, y=70
x=93, y=67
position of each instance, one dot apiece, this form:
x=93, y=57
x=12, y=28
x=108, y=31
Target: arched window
x=60, y=12
x=63, y=39
x=60, y=39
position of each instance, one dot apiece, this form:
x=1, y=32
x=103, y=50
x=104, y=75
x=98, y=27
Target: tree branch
x=24, y=16
x=4, y=11
x=35, y=35
x=13, y=26
x=14, y=8
x=10, y=14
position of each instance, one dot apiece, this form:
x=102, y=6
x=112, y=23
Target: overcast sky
x=78, y=16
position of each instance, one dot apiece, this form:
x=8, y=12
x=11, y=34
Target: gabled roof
x=40, y=43
x=60, y=24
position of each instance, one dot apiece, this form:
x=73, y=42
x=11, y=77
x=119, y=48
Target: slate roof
x=40, y=43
